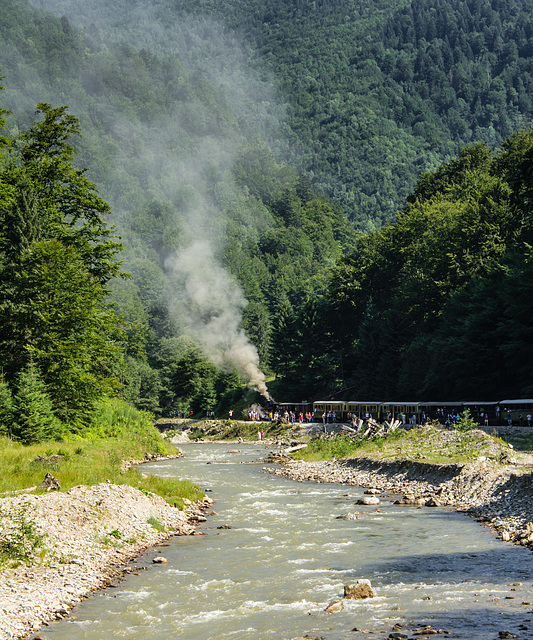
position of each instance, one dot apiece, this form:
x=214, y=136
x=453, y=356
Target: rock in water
x=368, y=500
x=159, y=560
x=334, y=607
x=358, y=591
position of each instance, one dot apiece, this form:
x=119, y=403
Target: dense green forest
x=245, y=165
x=439, y=303
x=375, y=92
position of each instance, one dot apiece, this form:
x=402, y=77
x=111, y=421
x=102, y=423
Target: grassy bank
x=119, y=433
x=231, y=429
x=428, y=443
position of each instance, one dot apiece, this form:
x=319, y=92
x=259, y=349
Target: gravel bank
x=90, y=534
x=499, y=495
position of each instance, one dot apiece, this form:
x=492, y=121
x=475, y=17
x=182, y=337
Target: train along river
x=287, y=556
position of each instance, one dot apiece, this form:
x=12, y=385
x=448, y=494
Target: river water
x=287, y=556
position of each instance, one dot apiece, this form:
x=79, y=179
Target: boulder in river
x=368, y=500
x=360, y=590
x=411, y=501
x=348, y=516
x=333, y=607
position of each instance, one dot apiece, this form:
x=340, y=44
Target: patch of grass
x=429, y=443
x=106, y=541
x=196, y=434
x=173, y=490
x=158, y=526
x=327, y=447
x=95, y=459
x=234, y=429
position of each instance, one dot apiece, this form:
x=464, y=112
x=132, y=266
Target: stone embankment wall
x=501, y=495
x=90, y=534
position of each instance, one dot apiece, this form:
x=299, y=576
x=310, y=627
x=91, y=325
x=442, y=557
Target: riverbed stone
x=334, y=607
x=369, y=500
x=359, y=591
x=412, y=501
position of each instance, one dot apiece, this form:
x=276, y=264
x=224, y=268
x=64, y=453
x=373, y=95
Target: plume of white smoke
x=213, y=306
x=206, y=302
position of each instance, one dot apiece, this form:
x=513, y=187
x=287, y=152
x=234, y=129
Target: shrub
x=19, y=538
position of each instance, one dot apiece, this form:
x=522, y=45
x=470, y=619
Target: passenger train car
x=498, y=412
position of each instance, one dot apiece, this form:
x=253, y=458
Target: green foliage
x=20, y=539
x=35, y=420
x=158, y=526
x=175, y=491
x=328, y=447
x=428, y=300
x=466, y=422
x=56, y=257
x=123, y=434
x=435, y=302
x=7, y=408
x=115, y=418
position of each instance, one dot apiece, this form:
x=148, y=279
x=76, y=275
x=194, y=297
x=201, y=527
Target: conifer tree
x=35, y=419
x=7, y=408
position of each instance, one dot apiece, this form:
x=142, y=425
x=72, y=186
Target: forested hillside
x=241, y=149
x=439, y=303
x=200, y=203
x=377, y=92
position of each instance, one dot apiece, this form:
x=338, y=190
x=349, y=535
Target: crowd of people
x=445, y=417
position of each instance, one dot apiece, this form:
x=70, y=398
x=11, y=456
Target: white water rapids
x=287, y=556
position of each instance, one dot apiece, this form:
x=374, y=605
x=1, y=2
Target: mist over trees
x=284, y=138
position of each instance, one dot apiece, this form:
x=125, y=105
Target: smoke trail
x=206, y=302
x=213, y=304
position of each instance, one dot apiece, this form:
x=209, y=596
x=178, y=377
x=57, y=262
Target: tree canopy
x=57, y=255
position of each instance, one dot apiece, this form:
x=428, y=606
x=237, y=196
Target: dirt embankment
x=89, y=535
x=498, y=494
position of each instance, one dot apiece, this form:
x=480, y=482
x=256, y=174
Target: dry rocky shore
x=90, y=534
x=498, y=494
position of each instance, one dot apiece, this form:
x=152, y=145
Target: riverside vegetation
x=430, y=443
x=121, y=435
x=71, y=542
x=438, y=300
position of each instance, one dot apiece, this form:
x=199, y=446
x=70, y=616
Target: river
x=287, y=556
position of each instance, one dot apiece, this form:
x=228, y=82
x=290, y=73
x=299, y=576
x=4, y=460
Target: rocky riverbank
x=500, y=495
x=85, y=537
